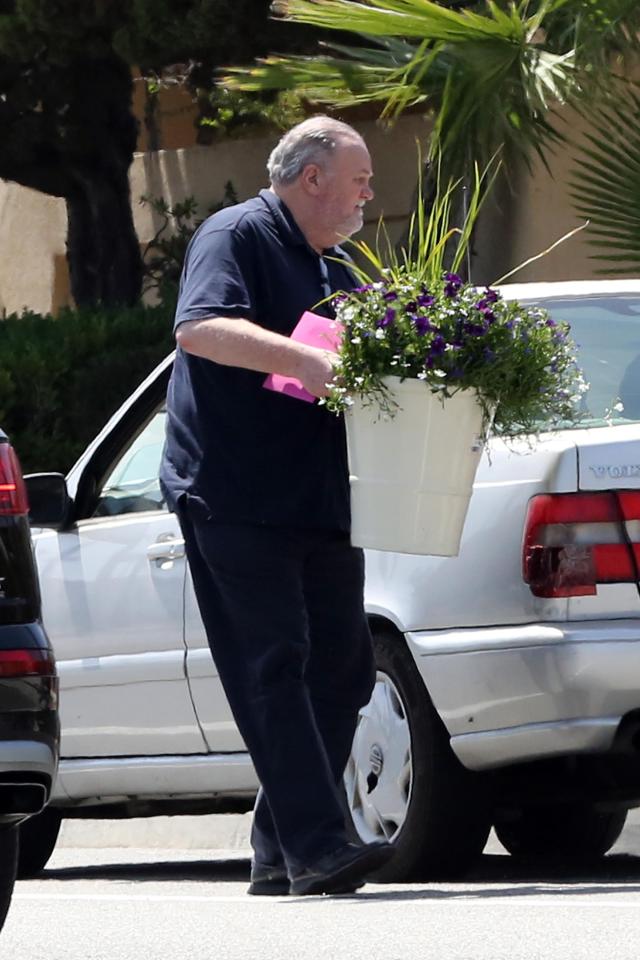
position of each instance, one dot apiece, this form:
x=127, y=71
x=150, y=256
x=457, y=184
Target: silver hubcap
x=379, y=774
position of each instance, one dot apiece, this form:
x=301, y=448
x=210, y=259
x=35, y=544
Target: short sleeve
x=217, y=277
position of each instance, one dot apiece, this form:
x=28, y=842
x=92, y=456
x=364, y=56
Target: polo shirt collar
x=287, y=226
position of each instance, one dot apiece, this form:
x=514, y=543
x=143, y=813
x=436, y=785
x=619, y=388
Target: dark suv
x=29, y=727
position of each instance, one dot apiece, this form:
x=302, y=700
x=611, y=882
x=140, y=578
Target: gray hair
x=312, y=141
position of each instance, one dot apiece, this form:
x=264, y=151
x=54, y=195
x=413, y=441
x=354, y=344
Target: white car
x=508, y=689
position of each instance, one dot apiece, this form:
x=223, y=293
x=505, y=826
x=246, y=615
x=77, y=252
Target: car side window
x=133, y=485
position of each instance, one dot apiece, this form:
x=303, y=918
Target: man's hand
x=317, y=370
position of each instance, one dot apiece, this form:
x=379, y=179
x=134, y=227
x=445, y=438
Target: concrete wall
x=203, y=172
x=33, y=267
x=526, y=219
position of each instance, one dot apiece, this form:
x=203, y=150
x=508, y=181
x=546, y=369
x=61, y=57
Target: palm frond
x=605, y=183
x=406, y=18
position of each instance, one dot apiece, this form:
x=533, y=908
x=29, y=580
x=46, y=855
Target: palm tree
x=492, y=74
x=605, y=184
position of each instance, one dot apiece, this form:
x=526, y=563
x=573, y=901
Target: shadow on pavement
x=614, y=874
x=223, y=871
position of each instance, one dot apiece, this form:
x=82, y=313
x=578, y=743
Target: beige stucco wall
x=527, y=219
x=203, y=172
x=33, y=270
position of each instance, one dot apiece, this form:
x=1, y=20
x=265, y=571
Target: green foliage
x=520, y=363
x=414, y=319
x=164, y=254
x=228, y=113
x=62, y=377
x=605, y=183
x=491, y=73
x=66, y=122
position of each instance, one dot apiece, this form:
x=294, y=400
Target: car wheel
x=8, y=868
x=571, y=834
x=38, y=837
x=404, y=784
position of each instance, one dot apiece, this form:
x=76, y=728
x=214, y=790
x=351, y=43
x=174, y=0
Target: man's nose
x=367, y=193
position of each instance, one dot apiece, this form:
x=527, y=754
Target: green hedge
x=62, y=377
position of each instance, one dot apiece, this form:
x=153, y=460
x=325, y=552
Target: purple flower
x=438, y=346
x=387, y=319
x=340, y=298
x=391, y=295
x=491, y=295
x=425, y=300
x=422, y=325
x=452, y=285
x=489, y=355
x=367, y=286
x=411, y=307
x=475, y=329
x=483, y=307
x=551, y=323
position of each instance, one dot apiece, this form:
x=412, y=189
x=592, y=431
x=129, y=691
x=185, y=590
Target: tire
x=38, y=837
x=8, y=868
x=403, y=782
x=569, y=834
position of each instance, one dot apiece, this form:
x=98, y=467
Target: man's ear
x=310, y=178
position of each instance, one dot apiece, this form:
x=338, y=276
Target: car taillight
x=574, y=541
x=13, y=493
x=26, y=663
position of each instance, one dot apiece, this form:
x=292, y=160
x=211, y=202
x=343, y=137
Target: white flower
x=619, y=406
x=356, y=339
x=439, y=373
x=422, y=375
x=380, y=334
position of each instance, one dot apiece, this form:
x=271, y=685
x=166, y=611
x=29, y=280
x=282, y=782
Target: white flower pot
x=412, y=474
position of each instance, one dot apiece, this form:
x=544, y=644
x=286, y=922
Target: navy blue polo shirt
x=248, y=454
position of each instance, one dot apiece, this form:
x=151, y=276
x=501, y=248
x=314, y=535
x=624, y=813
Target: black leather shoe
x=342, y=871
x=268, y=881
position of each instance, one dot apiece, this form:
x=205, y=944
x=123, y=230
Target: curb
x=223, y=831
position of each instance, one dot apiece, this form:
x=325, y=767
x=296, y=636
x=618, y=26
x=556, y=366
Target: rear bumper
x=22, y=760
x=520, y=693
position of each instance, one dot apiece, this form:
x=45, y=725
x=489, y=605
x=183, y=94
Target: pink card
x=317, y=331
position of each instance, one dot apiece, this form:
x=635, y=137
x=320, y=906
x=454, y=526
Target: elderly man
x=260, y=483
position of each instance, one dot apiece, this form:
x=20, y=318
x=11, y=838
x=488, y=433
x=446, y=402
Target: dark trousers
x=284, y=617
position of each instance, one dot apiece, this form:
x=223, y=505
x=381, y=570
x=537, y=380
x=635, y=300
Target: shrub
x=164, y=254
x=62, y=377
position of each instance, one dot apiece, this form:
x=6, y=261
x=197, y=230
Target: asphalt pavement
x=167, y=900
x=175, y=889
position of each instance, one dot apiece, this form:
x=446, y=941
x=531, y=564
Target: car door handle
x=166, y=548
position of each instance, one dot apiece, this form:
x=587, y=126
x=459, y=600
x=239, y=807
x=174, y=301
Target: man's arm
x=241, y=343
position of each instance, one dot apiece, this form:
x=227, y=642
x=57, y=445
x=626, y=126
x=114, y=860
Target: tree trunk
x=104, y=258
x=78, y=143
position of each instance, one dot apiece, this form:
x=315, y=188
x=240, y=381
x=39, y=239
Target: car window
x=606, y=329
x=133, y=486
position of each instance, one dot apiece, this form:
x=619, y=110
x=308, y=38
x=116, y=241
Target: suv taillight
x=26, y=663
x=13, y=493
x=573, y=541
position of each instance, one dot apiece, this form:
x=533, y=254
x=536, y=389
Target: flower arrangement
x=418, y=320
